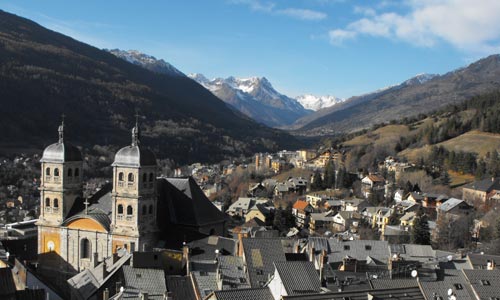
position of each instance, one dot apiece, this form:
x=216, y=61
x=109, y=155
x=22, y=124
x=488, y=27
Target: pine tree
x=317, y=182
x=420, y=231
x=329, y=181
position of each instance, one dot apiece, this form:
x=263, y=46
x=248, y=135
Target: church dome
x=61, y=151
x=134, y=155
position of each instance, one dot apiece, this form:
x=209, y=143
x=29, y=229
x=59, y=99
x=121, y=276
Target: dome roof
x=61, y=152
x=134, y=156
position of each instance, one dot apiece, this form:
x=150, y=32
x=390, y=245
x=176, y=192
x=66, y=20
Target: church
x=138, y=211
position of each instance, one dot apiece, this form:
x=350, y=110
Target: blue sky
x=336, y=47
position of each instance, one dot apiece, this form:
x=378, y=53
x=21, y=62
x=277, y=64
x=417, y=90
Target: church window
x=51, y=246
x=47, y=171
x=120, y=176
x=70, y=172
x=85, y=248
x=144, y=177
x=151, y=209
x=144, y=209
x=56, y=172
x=47, y=202
x=56, y=202
x=130, y=177
x=120, y=209
x=77, y=172
x=129, y=210
x=151, y=177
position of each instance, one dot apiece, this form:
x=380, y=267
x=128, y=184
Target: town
x=285, y=225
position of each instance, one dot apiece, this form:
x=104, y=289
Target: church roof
x=61, y=152
x=186, y=203
x=134, y=156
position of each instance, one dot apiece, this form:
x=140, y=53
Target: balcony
x=129, y=218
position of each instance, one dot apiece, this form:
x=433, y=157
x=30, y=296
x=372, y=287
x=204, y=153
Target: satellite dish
x=414, y=273
x=450, y=292
x=449, y=257
x=122, y=289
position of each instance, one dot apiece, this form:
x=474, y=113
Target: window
x=151, y=177
x=47, y=171
x=130, y=211
x=77, y=172
x=56, y=172
x=485, y=282
x=120, y=176
x=70, y=172
x=51, y=246
x=130, y=177
x=144, y=209
x=56, y=202
x=120, y=209
x=85, y=248
x=458, y=286
x=347, y=247
x=151, y=209
x=144, y=177
x=47, y=202
x=368, y=247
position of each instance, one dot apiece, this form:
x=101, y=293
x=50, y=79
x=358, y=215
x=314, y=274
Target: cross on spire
x=86, y=205
x=61, y=129
x=135, y=131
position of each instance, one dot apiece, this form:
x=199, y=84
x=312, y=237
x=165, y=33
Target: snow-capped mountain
x=316, y=103
x=255, y=97
x=419, y=79
x=146, y=61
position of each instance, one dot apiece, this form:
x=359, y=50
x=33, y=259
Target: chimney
x=117, y=287
x=95, y=259
x=322, y=267
x=312, y=252
x=105, y=294
x=185, y=256
x=490, y=265
x=168, y=296
x=104, y=269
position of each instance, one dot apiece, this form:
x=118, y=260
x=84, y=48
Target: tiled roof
x=485, y=185
x=99, y=209
x=205, y=282
x=139, y=280
x=7, y=286
x=245, y=294
x=300, y=205
x=180, y=287
x=233, y=273
x=260, y=255
x=379, y=284
x=479, y=261
x=383, y=294
x=359, y=249
x=298, y=277
x=204, y=249
x=450, y=204
x=448, y=279
x=486, y=283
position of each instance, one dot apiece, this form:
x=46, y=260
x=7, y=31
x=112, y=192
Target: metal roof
x=298, y=277
x=260, y=254
x=245, y=294
x=139, y=280
x=134, y=156
x=61, y=152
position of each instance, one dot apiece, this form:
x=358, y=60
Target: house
x=345, y=220
x=321, y=222
x=257, y=190
x=399, y=195
x=353, y=204
x=373, y=183
x=301, y=210
x=259, y=256
x=415, y=197
x=482, y=190
x=408, y=219
x=381, y=218
x=261, y=211
x=243, y=205
x=455, y=207
x=294, y=278
x=453, y=280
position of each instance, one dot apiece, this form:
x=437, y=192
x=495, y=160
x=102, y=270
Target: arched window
x=151, y=209
x=85, y=248
x=120, y=176
x=47, y=202
x=70, y=172
x=47, y=171
x=56, y=172
x=77, y=172
x=144, y=177
x=56, y=202
x=120, y=209
x=151, y=177
x=130, y=211
x=144, y=209
x=130, y=177
x=51, y=246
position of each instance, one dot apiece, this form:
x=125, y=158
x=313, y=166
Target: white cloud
x=338, y=36
x=466, y=24
x=270, y=8
x=364, y=10
x=303, y=14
